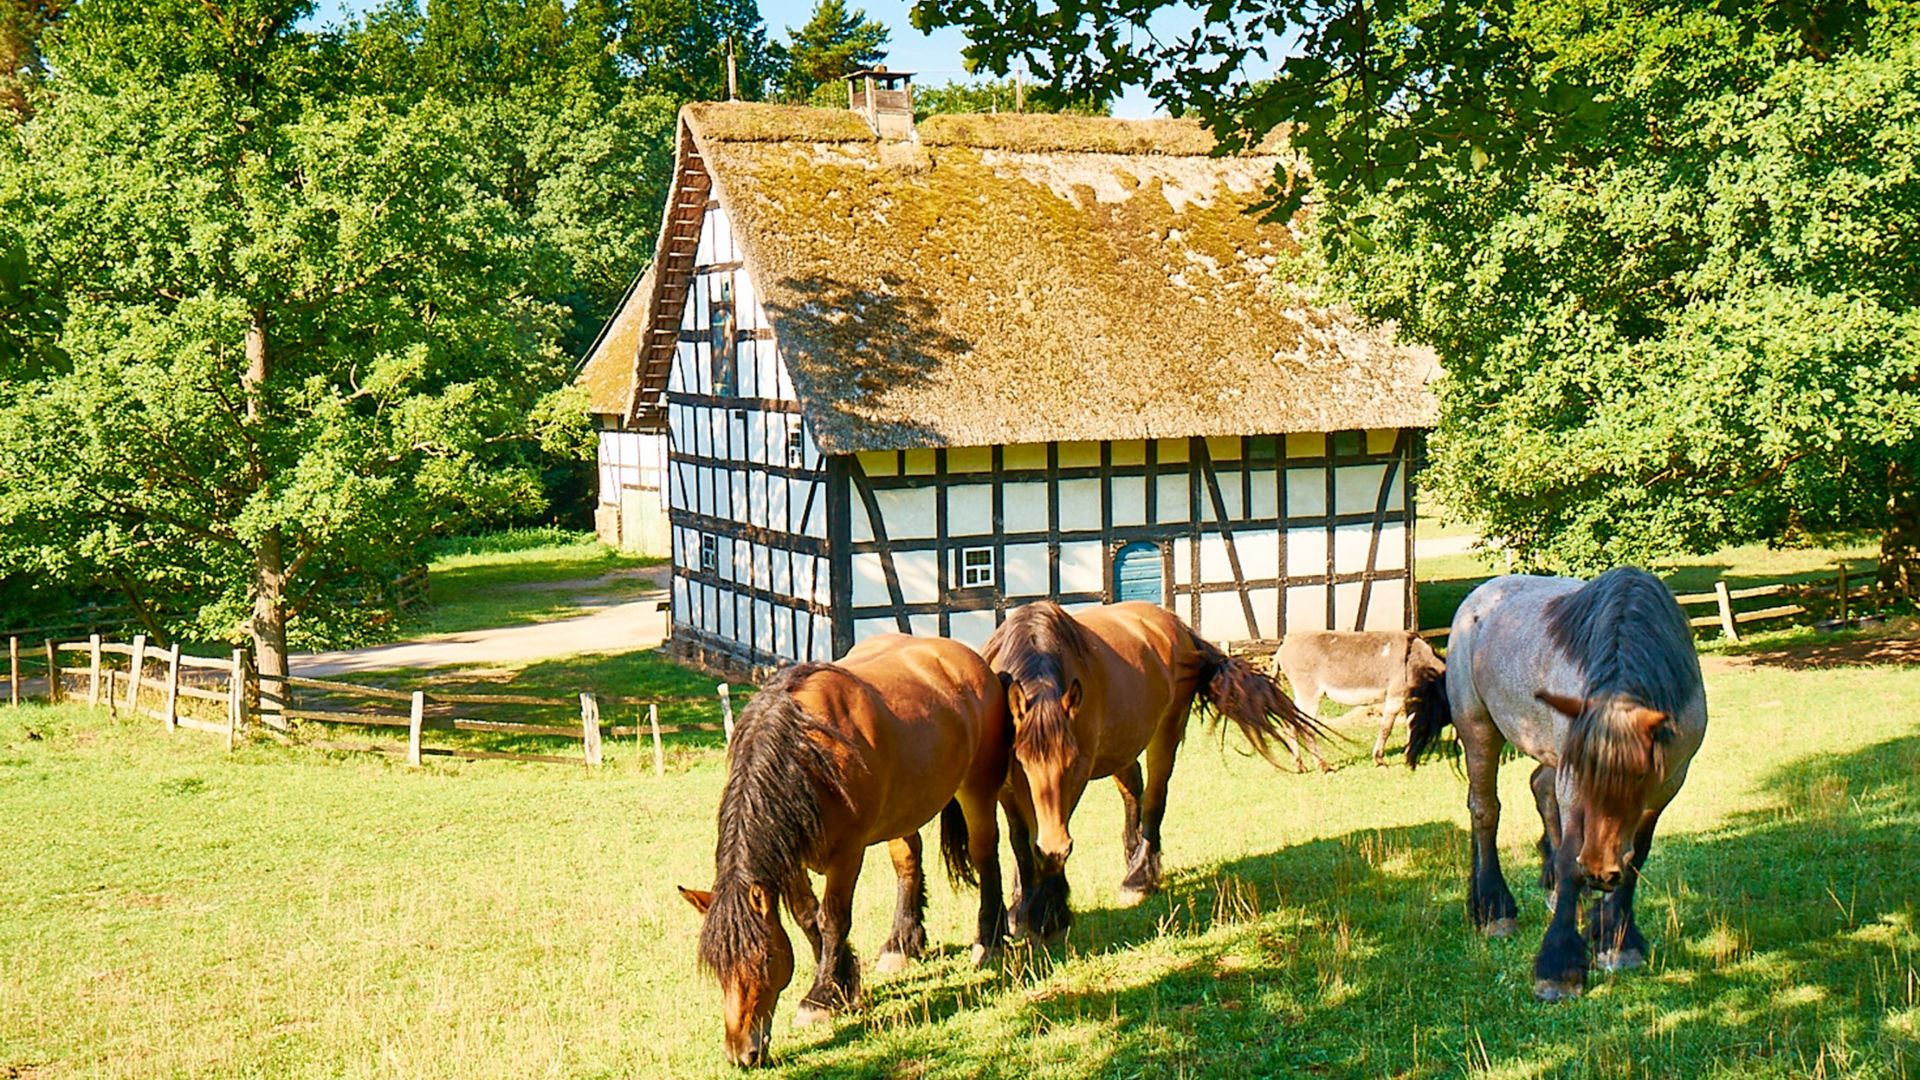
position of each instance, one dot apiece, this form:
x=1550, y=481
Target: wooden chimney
x=884, y=99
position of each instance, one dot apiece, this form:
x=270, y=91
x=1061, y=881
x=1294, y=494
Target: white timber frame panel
x=747, y=484
x=1257, y=535
x=630, y=459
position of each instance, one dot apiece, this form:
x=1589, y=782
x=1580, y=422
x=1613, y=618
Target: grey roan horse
x=1598, y=682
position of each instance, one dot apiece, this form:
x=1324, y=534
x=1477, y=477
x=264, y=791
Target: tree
x=833, y=44
x=1665, y=251
x=292, y=325
x=22, y=22
x=1000, y=95
x=678, y=48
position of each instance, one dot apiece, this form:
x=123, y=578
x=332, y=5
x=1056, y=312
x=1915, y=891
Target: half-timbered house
x=909, y=383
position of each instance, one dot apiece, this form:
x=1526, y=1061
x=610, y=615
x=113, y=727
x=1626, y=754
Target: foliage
x=274, y=911
x=295, y=333
x=999, y=96
x=1665, y=251
x=678, y=48
x=22, y=22
x=833, y=44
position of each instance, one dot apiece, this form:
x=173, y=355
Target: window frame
x=964, y=573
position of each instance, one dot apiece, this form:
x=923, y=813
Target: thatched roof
x=1034, y=278
x=611, y=368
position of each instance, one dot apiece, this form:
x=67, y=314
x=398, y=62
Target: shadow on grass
x=1784, y=943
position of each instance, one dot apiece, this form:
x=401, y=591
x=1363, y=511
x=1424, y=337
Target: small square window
x=976, y=567
x=796, y=448
x=709, y=553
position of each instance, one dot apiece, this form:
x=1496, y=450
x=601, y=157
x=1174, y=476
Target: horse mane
x=1631, y=639
x=1027, y=649
x=770, y=816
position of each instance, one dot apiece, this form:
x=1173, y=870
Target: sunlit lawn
x=168, y=909
x=525, y=576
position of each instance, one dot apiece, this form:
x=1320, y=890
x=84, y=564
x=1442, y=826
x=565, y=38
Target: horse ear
x=1072, y=700
x=1569, y=707
x=1656, y=725
x=699, y=898
x=1016, y=698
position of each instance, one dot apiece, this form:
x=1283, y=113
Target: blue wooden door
x=1137, y=574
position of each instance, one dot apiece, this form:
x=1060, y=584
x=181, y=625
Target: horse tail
x=1232, y=689
x=954, y=842
x=1435, y=712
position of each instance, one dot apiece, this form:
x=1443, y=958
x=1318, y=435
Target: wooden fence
x=422, y=711
x=160, y=683
x=1728, y=616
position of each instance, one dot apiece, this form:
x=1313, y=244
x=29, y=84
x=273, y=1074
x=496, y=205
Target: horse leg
x=1146, y=876
x=1560, y=968
x=836, y=982
x=1611, y=931
x=1489, y=902
x=1549, y=807
x=1132, y=847
x=805, y=910
x=909, y=936
x=1020, y=839
x=983, y=851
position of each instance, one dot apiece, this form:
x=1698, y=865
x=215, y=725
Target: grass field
x=525, y=576
x=167, y=909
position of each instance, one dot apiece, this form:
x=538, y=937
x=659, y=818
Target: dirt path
x=607, y=628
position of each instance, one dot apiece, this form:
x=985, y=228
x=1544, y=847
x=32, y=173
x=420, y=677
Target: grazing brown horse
x=827, y=760
x=1089, y=692
x=1598, y=682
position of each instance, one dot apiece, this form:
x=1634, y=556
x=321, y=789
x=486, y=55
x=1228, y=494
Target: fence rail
x=146, y=680
x=1730, y=619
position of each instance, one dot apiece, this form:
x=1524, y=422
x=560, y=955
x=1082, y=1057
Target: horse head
x=1615, y=756
x=1048, y=757
x=744, y=944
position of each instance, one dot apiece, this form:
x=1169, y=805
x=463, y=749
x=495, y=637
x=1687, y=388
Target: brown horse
x=827, y=760
x=1088, y=694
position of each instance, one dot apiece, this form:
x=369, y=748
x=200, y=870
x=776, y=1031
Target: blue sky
x=934, y=57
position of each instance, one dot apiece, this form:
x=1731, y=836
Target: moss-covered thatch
x=753, y=121
x=1071, y=278
x=610, y=370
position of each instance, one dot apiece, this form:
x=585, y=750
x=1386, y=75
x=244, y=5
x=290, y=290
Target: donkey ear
x=1569, y=707
x=1656, y=725
x=699, y=898
x=1072, y=699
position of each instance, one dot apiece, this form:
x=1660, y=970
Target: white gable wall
x=746, y=482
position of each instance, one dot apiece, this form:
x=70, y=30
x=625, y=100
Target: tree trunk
x=1900, y=545
x=269, y=622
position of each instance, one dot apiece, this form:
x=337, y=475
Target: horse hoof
x=891, y=962
x=1619, y=959
x=1133, y=895
x=983, y=956
x=808, y=1015
x=1500, y=928
x=1549, y=990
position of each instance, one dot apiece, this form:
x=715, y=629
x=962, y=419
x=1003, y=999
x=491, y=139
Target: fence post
x=136, y=672
x=53, y=674
x=93, y=673
x=113, y=699
x=173, y=694
x=726, y=711
x=1727, y=625
x=237, y=699
x=1843, y=594
x=590, y=727
x=13, y=662
x=653, y=721
x=414, y=717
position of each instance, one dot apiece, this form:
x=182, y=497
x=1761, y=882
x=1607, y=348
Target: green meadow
x=168, y=909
